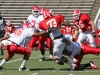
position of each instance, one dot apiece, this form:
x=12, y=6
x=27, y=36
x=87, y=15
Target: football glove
x=51, y=29
x=73, y=39
x=64, y=40
x=93, y=34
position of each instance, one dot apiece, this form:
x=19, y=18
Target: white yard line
x=34, y=74
x=22, y=58
x=19, y=59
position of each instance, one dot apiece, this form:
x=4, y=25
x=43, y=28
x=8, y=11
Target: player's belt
x=58, y=37
x=13, y=43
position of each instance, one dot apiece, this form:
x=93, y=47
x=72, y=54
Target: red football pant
x=48, y=42
x=14, y=49
x=86, y=50
x=41, y=41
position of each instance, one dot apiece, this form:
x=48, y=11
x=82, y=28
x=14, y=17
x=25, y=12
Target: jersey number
x=33, y=22
x=52, y=23
x=68, y=29
x=80, y=25
x=18, y=32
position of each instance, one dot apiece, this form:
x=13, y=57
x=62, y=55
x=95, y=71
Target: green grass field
x=47, y=67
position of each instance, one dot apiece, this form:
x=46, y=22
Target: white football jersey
x=21, y=34
x=75, y=48
x=34, y=21
x=55, y=33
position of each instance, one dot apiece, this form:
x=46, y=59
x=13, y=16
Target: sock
x=70, y=63
x=2, y=62
x=42, y=56
x=87, y=65
x=23, y=63
x=42, y=52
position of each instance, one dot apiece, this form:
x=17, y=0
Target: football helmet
x=8, y=22
x=35, y=11
x=47, y=13
x=26, y=25
x=42, y=10
x=76, y=14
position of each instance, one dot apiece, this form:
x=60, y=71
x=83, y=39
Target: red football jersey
x=54, y=21
x=10, y=28
x=82, y=23
x=68, y=29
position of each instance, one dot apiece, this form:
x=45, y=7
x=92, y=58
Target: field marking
x=20, y=59
x=34, y=74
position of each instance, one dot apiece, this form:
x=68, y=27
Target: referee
x=2, y=31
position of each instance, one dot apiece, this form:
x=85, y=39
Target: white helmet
x=76, y=14
x=35, y=11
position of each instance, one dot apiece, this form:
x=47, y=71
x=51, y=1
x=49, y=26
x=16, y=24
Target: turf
x=47, y=67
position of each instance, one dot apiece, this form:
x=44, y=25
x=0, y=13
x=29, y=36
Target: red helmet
x=47, y=13
x=35, y=11
x=76, y=14
x=8, y=22
x=42, y=10
x=26, y=24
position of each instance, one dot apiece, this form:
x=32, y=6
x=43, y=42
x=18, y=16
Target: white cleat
x=51, y=57
x=42, y=59
x=23, y=69
x=73, y=67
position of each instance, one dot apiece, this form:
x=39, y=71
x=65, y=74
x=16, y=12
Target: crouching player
x=12, y=45
x=76, y=51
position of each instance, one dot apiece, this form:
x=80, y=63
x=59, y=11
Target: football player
x=68, y=31
x=76, y=51
x=34, y=19
x=52, y=25
x=13, y=45
x=84, y=22
x=9, y=28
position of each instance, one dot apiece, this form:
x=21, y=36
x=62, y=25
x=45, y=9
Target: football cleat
x=42, y=59
x=50, y=56
x=23, y=69
x=73, y=66
x=93, y=66
x=1, y=68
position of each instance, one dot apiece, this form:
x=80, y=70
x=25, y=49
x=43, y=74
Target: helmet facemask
x=35, y=13
x=76, y=17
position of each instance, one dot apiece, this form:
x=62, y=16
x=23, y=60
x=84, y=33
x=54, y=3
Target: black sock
x=87, y=65
x=42, y=51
